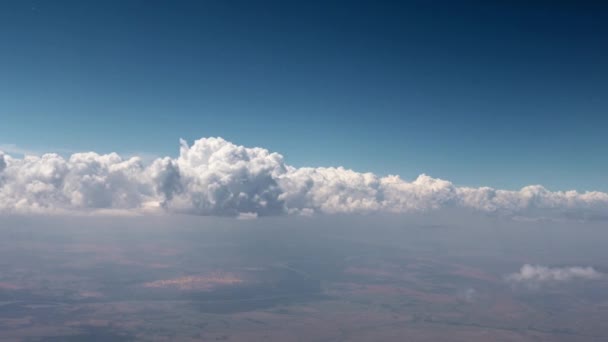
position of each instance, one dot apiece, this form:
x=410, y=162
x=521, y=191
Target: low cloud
x=536, y=275
x=214, y=177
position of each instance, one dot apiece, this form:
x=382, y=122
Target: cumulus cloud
x=216, y=177
x=536, y=275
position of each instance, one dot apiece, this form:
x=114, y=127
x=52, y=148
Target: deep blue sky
x=504, y=94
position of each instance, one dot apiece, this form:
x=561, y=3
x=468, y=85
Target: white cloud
x=535, y=275
x=216, y=177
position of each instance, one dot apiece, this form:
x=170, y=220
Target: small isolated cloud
x=214, y=177
x=247, y=216
x=469, y=294
x=536, y=275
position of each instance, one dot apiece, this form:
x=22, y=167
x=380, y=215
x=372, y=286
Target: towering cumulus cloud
x=216, y=177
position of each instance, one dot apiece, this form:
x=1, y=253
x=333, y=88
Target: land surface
x=274, y=282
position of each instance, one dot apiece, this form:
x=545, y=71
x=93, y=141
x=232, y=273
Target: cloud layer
x=535, y=275
x=215, y=177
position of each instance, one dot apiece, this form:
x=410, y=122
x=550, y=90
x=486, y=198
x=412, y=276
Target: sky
x=504, y=95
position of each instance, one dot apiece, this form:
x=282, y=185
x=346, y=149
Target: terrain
x=274, y=280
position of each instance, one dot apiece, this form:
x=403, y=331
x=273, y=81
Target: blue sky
x=500, y=95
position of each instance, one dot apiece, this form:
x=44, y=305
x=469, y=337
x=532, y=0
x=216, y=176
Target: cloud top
x=216, y=177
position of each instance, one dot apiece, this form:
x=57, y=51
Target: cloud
x=536, y=275
x=469, y=295
x=216, y=177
